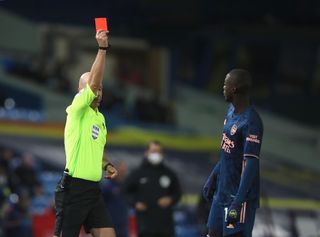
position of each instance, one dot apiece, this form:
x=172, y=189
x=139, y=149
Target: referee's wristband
x=105, y=48
x=106, y=166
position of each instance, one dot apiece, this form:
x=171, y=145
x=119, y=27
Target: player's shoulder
x=253, y=115
x=230, y=109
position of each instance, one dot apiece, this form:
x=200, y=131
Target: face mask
x=155, y=158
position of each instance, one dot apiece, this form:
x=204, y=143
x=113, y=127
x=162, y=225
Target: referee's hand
x=111, y=172
x=102, y=38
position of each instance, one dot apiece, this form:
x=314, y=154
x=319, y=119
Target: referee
x=78, y=199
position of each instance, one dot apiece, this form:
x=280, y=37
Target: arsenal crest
x=233, y=129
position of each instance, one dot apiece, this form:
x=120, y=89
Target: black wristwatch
x=105, y=48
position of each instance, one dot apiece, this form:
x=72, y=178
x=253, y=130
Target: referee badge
x=95, y=132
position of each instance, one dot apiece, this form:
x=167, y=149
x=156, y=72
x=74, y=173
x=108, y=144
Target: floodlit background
x=163, y=81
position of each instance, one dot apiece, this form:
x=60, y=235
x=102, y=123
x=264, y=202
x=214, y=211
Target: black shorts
x=80, y=203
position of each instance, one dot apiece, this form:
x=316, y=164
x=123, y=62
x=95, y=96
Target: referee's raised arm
x=98, y=67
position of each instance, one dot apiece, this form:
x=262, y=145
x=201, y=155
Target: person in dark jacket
x=115, y=200
x=153, y=189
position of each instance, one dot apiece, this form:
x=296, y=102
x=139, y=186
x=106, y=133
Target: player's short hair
x=156, y=142
x=242, y=80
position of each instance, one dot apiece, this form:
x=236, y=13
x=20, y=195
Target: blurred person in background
x=17, y=219
x=26, y=174
x=7, y=162
x=6, y=156
x=39, y=202
x=115, y=200
x=4, y=186
x=78, y=199
x=153, y=189
x=234, y=183
x=4, y=193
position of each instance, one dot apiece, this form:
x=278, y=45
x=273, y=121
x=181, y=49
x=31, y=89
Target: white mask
x=155, y=158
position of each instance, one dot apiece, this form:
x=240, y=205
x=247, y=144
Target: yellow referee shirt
x=84, y=137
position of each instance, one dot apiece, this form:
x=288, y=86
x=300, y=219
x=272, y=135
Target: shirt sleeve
x=82, y=100
x=249, y=174
x=253, y=137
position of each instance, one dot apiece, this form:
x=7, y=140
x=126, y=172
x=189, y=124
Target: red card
x=101, y=24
